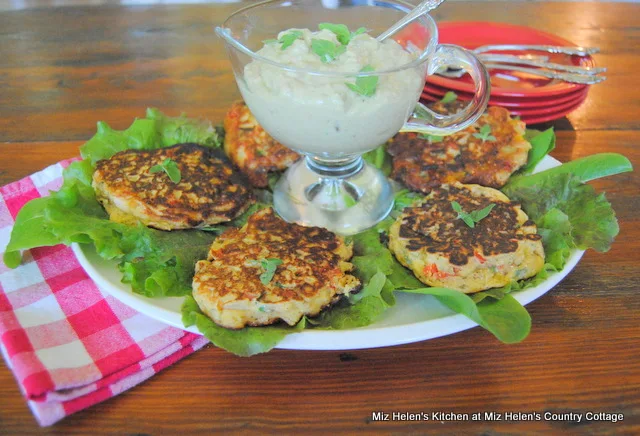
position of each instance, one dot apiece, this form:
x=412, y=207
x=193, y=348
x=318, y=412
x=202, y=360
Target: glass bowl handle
x=424, y=120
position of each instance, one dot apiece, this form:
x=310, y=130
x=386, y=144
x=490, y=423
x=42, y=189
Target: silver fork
x=586, y=79
x=518, y=60
x=577, y=51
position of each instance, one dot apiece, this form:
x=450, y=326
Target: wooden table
x=64, y=68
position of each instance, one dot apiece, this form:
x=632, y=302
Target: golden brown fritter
x=312, y=275
x=209, y=191
x=442, y=250
x=251, y=148
x=422, y=164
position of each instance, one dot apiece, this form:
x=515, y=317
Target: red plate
x=536, y=119
x=511, y=84
x=538, y=111
x=532, y=115
x=512, y=102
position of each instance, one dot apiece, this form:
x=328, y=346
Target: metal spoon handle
x=515, y=60
x=566, y=77
x=422, y=8
x=579, y=51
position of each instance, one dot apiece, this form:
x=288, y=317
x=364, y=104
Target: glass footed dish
x=311, y=109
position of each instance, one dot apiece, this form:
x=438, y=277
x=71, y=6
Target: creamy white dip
x=319, y=114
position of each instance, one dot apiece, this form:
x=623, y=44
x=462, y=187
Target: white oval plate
x=414, y=317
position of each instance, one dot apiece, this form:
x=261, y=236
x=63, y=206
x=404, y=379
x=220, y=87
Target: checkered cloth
x=69, y=345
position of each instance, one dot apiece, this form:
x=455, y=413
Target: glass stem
x=342, y=168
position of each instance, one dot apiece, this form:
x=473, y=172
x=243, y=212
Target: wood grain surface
x=64, y=68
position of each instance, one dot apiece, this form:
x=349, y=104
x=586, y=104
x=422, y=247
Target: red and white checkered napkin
x=69, y=345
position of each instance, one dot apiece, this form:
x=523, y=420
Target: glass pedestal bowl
x=315, y=113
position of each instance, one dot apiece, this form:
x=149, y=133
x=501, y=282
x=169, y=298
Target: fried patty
x=424, y=163
x=313, y=274
x=442, y=250
x=208, y=192
x=254, y=152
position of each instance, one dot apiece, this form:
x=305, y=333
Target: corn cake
x=252, y=149
x=442, y=250
x=209, y=191
x=424, y=162
x=309, y=271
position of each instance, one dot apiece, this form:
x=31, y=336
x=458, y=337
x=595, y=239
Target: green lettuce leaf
x=154, y=262
x=542, y=143
x=32, y=227
x=402, y=278
x=369, y=242
x=555, y=229
x=155, y=131
x=372, y=257
x=369, y=265
x=500, y=293
x=585, y=169
x=507, y=319
x=161, y=264
x=28, y=232
x=380, y=159
x=373, y=287
x=373, y=263
x=404, y=198
x=568, y=212
x=141, y=135
x=344, y=316
x=360, y=310
x=176, y=130
x=243, y=342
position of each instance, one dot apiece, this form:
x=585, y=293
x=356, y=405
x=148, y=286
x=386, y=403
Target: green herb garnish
x=269, y=266
x=286, y=40
x=358, y=31
x=342, y=32
x=169, y=167
x=485, y=134
x=365, y=86
x=471, y=218
x=327, y=50
x=431, y=138
x=289, y=38
x=449, y=97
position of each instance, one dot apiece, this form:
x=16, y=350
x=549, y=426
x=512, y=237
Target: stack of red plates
x=535, y=99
